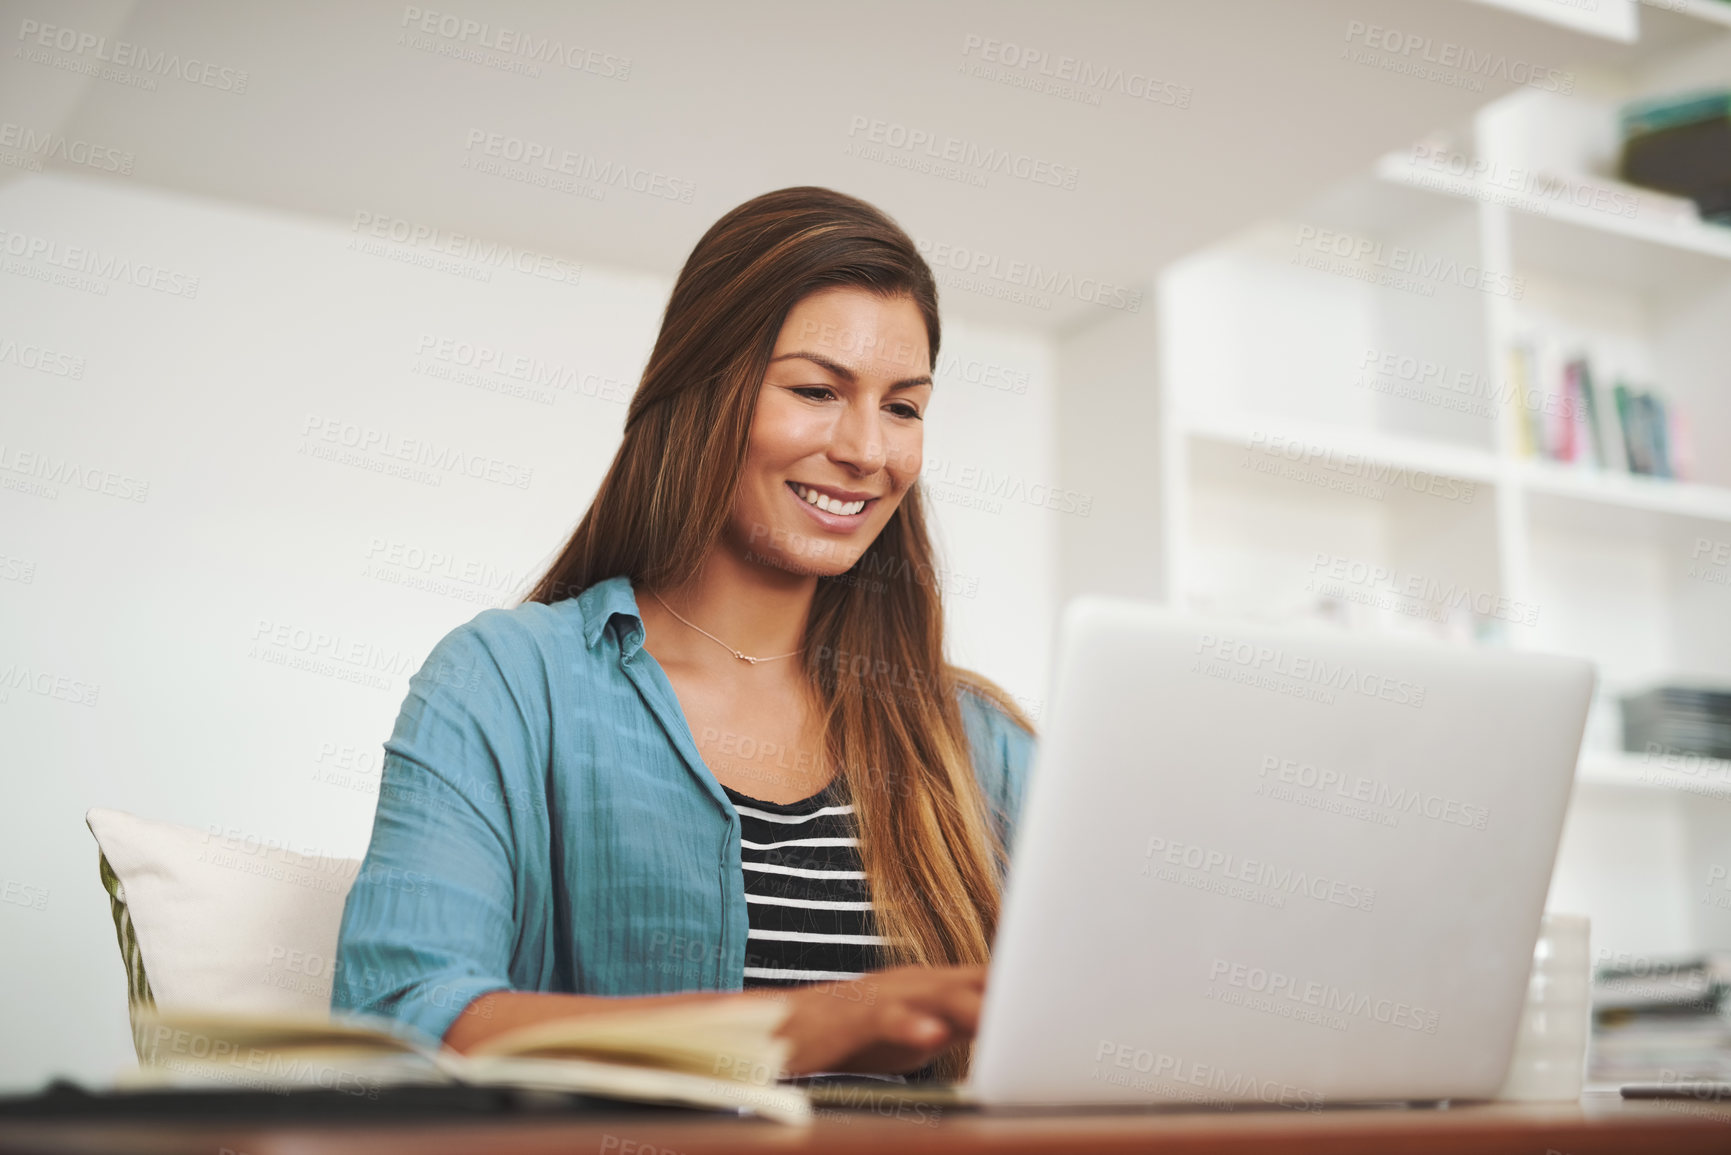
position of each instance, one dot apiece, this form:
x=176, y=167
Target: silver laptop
x=1275, y=865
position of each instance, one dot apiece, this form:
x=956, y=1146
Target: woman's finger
x=959, y=1003
x=906, y=1027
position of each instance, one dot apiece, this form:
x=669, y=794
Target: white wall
x=202, y=404
x=1109, y=436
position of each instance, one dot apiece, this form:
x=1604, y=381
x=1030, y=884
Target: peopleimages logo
x=1460, y=61
x=1371, y=792
x=1159, y=1070
x=1323, y=996
x=516, y=42
x=125, y=54
x=69, y=472
x=987, y=484
x=1026, y=275
x=98, y=264
x=1332, y=574
x=1366, y=470
x=494, y=254
x=45, y=145
x=586, y=167
x=1462, y=390
x=1407, y=267
x=1534, y=189
x=1710, y=561
x=365, y=441
x=59, y=686
x=941, y=147
x=1073, y=77
x=43, y=360
x=1320, y=672
x=1257, y=872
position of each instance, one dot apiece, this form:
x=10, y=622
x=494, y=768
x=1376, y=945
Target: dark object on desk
x=1678, y=720
x=1682, y=144
x=66, y=1100
x=1706, y=1092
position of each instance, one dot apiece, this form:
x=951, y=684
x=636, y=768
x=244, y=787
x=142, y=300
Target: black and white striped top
x=807, y=901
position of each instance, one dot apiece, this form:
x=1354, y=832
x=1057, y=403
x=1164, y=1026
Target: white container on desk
x=1550, y=1057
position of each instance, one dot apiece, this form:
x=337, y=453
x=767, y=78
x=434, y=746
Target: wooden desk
x=1599, y=1123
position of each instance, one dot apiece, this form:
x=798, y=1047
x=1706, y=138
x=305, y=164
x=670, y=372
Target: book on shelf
x=1646, y=426
x=1566, y=421
x=1629, y=422
x=1677, y=143
x=721, y=1055
x=1564, y=415
x=1582, y=376
x=1658, y=429
x=1527, y=438
x=1680, y=447
x=1687, y=719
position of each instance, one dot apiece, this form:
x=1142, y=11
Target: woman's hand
x=887, y=1022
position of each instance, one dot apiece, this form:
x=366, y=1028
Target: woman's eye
x=824, y=392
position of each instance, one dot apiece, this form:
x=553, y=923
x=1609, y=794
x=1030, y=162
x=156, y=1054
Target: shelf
x=1648, y=253
x=1610, y=19
x=1243, y=430
x=1711, y=11
x=1688, y=235
x=1615, y=19
x=1628, y=491
x=1618, y=769
x=1604, y=489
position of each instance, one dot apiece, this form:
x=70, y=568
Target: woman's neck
x=753, y=608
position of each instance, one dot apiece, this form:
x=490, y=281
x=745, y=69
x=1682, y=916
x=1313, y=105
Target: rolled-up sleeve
x=1016, y=749
x=431, y=922
x=1002, y=753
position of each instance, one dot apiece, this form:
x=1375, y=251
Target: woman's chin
x=826, y=568
x=833, y=564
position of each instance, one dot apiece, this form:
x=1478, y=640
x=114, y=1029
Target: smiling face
x=838, y=433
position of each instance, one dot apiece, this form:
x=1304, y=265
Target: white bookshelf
x=1686, y=499
x=1390, y=449
x=1606, y=243
x=1706, y=777
x=1611, y=19
x=1711, y=11
x=1619, y=20
x=1291, y=375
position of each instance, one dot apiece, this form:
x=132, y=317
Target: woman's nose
x=857, y=440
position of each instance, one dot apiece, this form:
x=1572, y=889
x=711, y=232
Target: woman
x=718, y=746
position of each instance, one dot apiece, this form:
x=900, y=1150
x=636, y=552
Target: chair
x=218, y=919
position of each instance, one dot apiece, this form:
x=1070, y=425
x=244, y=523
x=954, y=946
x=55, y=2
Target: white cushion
x=224, y=921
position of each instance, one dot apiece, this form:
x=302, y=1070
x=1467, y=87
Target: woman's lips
x=835, y=522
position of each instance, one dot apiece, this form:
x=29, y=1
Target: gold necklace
x=718, y=641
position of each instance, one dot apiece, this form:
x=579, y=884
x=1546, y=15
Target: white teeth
x=828, y=504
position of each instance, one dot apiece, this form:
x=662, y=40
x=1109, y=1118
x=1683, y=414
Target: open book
x=722, y=1055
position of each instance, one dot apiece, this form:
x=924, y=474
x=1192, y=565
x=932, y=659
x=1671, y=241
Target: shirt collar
x=600, y=602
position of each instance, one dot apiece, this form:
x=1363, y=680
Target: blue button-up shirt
x=545, y=823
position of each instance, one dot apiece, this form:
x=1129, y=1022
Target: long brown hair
x=873, y=647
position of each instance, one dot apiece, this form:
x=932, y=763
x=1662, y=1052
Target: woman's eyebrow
x=849, y=375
